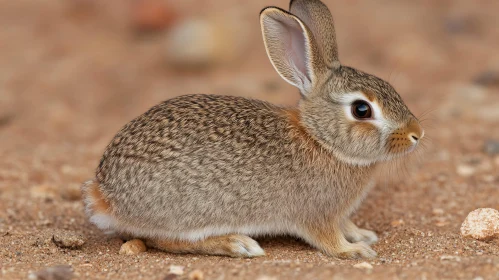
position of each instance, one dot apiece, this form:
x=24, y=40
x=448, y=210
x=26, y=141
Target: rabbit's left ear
x=319, y=20
x=292, y=49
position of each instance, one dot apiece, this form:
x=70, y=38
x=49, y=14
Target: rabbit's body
x=211, y=170
x=198, y=173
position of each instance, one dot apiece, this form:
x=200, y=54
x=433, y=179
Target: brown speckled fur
x=197, y=173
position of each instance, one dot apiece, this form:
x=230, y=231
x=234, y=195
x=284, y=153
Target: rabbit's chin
x=393, y=156
x=370, y=161
x=355, y=161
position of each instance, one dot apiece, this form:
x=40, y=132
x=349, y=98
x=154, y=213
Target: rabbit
x=202, y=173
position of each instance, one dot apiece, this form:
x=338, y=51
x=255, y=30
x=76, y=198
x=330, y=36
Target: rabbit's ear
x=291, y=48
x=319, y=20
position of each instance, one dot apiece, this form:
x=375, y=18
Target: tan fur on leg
x=233, y=245
x=330, y=240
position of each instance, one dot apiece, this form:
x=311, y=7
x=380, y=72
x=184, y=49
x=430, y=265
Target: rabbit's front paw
x=367, y=236
x=354, y=234
x=356, y=251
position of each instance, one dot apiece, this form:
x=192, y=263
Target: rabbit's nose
x=415, y=130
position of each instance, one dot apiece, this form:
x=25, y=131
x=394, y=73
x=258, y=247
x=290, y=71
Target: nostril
x=413, y=137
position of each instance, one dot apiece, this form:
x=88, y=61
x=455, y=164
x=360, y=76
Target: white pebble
x=364, y=265
x=176, y=269
x=481, y=224
x=465, y=170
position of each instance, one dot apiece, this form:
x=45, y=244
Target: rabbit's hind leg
x=232, y=245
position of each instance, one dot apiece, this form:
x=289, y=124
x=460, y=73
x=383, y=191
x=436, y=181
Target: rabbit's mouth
x=405, y=140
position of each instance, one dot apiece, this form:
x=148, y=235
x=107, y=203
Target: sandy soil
x=71, y=77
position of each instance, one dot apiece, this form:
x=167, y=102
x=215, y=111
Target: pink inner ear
x=294, y=44
x=297, y=50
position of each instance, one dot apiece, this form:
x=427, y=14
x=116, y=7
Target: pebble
x=43, y=191
x=59, y=272
x=199, y=43
x=491, y=147
x=72, y=192
x=481, y=224
x=151, y=15
x=176, y=269
x=465, y=170
x=68, y=239
x=192, y=44
x=450, y=258
x=438, y=211
x=397, y=223
x=196, y=275
x=363, y=265
x=133, y=247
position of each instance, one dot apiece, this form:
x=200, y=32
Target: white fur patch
x=200, y=234
x=103, y=221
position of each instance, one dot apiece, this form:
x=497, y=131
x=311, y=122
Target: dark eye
x=361, y=110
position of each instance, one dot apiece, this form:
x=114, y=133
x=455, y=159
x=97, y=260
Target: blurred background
x=73, y=72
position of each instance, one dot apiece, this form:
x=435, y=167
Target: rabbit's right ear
x=291, y=48
x=318, y=18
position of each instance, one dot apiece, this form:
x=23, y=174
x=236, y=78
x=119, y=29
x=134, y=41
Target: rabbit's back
x=198, y=158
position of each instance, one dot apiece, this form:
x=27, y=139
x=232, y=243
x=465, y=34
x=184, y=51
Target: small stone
x=437, y=211
x=491, y=147
x=481, y=224
x=176, y=269
x=192, y=44
x=68, y=239
x=196, y=275
x=200, y=43
x=488, y=178
x=133, y=247
x=450, y=258
x=363, y=265
x=441, y=223
x=6, y=119
x=43, y=191
x=487, y=78
x=442, y=178
x=59, y=272
x=151, y=15
x=465, y=170
x=397, y=223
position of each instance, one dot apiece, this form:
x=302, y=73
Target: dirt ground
x=72, y=72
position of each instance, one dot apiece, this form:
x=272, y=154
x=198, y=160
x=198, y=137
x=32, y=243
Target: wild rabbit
x=202, y=173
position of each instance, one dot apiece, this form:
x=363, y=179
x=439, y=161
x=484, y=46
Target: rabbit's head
x=357, y=116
